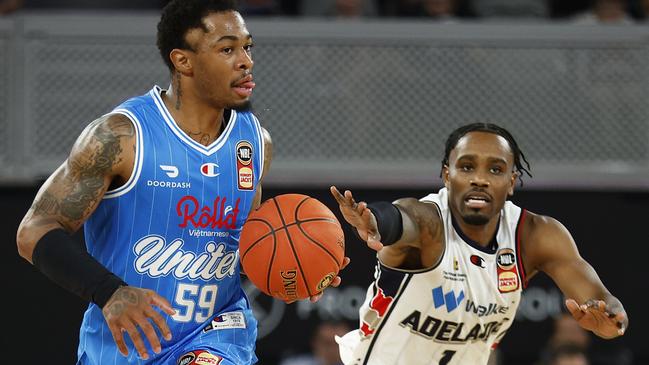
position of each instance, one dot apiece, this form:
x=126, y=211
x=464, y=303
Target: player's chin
x=241, y=105
x=475, y=219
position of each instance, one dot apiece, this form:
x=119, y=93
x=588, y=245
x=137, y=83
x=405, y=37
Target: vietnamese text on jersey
x=174, y=227
x=451, y=314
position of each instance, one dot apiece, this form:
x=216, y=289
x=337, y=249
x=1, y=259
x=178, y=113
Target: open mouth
x=477, y=200
x=244, y=86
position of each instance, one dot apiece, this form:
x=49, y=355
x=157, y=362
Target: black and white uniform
x=451, y=314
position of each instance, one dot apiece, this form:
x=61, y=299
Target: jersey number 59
x=196, y=302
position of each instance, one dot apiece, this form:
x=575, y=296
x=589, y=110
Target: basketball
x=292, y=247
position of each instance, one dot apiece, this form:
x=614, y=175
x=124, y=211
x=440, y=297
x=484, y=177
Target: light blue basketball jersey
x=174, y=226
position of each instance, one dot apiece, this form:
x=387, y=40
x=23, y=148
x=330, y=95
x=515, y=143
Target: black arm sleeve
x=388, y=220
x=61, y=259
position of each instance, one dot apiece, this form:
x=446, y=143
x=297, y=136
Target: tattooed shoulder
x=95, y=161
x=102, y=142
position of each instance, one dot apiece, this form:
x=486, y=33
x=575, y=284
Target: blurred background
x=362, y=94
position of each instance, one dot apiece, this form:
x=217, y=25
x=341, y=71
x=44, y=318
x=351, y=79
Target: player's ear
x=445, y=176
x=182, y=61
x=512, y=182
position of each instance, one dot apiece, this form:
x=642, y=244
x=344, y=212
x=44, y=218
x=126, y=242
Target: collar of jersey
x=493, y=244
x=166, y=115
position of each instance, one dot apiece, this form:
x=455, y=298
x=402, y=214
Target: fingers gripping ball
x=292, y=247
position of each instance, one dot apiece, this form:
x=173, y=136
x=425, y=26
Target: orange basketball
x=292, y=247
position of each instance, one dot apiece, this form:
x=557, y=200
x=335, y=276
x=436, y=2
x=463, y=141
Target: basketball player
x=163, y=185
x=452, y=265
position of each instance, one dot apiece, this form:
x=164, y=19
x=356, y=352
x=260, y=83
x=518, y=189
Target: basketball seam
x=272, y=257
x=270, y=265
x=317, y=243
x=260, y=238
x=290, y=241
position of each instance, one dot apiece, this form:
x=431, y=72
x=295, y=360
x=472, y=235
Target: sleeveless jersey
x=452, y=314
x=174, y=226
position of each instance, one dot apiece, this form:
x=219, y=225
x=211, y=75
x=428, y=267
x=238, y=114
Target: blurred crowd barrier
x=364, y=102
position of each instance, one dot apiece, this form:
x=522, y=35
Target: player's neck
x=481, y=234
x=201, y=121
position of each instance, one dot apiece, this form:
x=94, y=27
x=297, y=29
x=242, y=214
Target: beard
x=243, y=107
x=475, y=219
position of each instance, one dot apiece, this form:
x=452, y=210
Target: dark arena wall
x=609, y=228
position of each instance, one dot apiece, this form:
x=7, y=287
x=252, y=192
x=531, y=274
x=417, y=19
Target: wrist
x=64, y=261
x=388, y=221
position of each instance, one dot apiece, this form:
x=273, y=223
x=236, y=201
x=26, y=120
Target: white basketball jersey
x=452, y=314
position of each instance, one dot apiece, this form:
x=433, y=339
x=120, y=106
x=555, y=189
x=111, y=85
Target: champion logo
x=449, y=299
x=477, y=261
x=171, y=171
x=209, y=169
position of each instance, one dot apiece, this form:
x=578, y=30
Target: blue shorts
x=222, y=342
x=229, y=339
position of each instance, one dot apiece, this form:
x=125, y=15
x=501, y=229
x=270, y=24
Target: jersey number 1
x=446, y=357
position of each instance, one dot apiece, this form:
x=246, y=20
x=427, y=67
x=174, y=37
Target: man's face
x=479, y=177
x=222, y=61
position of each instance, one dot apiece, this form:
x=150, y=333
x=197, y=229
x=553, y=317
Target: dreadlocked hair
x=520, y=162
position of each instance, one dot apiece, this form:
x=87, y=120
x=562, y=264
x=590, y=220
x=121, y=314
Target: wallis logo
x=216, y=216
x=448, y=299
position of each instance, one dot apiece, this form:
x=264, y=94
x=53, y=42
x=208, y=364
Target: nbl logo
x=244, y=152
x=245, y=173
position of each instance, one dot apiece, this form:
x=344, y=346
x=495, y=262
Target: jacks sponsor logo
x=443, y=331
x=219, y=215
x=205, y=358
x=378, y=307
x=209, y=169
x=245, y=172
x=450, y=300
x=506, y=269
x=199, y=357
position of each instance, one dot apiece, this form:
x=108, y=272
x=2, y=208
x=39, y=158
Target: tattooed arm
x=102, y=158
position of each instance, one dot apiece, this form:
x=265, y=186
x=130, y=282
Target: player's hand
x=606, y=321
x=130, y=307
x=334, y=283
x=359, y=216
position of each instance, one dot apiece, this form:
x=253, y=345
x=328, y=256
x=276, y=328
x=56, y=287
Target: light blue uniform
x=174, y=228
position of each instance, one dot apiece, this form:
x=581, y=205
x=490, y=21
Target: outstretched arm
x=420, y=243
x=549, y=247
x=102, y=156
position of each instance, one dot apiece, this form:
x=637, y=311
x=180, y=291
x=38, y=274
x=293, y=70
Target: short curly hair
x=179, y=16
